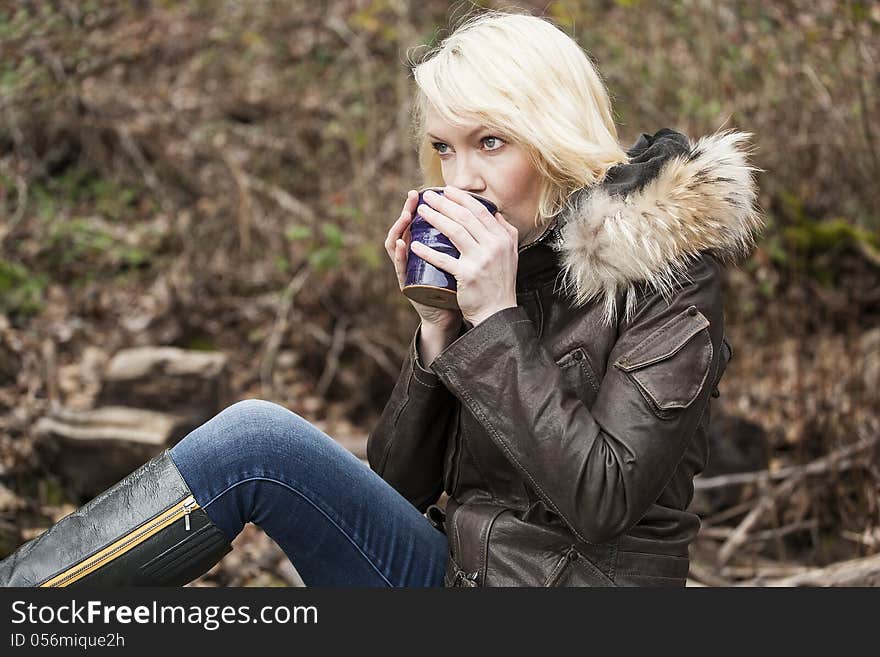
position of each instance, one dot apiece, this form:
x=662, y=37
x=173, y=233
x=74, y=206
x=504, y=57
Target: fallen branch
x=855, y=572
x=836, y=460
x=705, y=577
x=839, y=459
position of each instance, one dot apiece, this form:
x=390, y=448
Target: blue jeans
x=338, y=522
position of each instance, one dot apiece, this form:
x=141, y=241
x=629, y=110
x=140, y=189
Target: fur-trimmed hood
x=651, y=216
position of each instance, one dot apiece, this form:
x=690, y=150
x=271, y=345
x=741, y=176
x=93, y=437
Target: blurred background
x=194, y=198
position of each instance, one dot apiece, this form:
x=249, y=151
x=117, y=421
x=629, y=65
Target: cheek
x=519, y=185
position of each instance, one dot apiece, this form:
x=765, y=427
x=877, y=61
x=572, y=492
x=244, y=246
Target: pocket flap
x=665, y=341
x=670, y=366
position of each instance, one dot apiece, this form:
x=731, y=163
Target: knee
x=250, y=424
x=259, y=416
x=260, y=408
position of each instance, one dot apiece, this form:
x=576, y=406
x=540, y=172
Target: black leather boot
x=146, y=530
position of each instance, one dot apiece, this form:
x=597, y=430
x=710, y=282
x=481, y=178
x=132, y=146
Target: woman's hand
x=397, y=245
x=486, y=271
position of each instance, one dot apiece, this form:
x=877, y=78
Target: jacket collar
x=648, y=219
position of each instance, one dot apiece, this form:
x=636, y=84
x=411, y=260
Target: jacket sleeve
x=601, y=468
x=407, y=445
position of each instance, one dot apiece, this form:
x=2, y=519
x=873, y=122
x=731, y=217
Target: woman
x=563, y=408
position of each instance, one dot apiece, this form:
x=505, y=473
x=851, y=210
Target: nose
x=466, y=175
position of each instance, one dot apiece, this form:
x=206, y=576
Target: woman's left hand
x=486, y=271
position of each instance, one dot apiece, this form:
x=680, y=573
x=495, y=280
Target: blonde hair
x=522, y=76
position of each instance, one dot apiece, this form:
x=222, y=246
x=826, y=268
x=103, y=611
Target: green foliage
x=109, y=198
x=823, y=236
x=809, y=245
x=295, y=233
x=201, y=342
x=21, y=291
x=82, y=248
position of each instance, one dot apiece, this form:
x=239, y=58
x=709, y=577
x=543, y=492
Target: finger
x=439, y=260
x=400, y=259
x=412, y=199
x=396, y=230
x=460, y=214
x=511, y=230
x=460, y=237
x=476, y=209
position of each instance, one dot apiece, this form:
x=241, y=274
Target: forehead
x=435, y=122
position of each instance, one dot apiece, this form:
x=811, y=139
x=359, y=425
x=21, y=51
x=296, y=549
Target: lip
x=480, y=196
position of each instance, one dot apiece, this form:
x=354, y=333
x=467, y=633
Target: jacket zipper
x=543, y=235
x=122, y=545
x=457, y=438
x=468, y=579
x=570, y=555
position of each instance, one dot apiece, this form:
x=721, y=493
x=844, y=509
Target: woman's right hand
x=397, y=246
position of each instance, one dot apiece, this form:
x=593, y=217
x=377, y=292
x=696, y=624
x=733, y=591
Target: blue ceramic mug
x=425, y=283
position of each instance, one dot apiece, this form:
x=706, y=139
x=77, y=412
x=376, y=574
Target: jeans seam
x=319, y=509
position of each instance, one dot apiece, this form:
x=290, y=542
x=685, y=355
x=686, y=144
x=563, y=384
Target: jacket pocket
x=670, y=366
x=574, y=569
x=471, y=525
x=579, y=374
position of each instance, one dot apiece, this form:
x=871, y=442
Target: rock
x=870, y=361
x=167, y=379
x=91, y=450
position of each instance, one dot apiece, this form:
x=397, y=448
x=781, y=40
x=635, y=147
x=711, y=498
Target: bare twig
x=244, y=200
x=362, y=341
x=855, y=572
x=336, y=347
x=51, y=373
x=149, y=176
x=21, y=199
x=869, y=537
x=283, y=198
x=281, y=321
x=767, y=502
x=705, y=576
x=839, y=460
x=727, y=514
x=762, y=571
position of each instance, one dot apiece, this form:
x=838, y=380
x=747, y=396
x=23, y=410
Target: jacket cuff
x=424, y=376
x=478, y=338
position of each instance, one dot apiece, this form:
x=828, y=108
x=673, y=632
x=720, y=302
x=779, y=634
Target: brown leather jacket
x=567, y=430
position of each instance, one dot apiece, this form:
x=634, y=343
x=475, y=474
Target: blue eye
x=494, y=144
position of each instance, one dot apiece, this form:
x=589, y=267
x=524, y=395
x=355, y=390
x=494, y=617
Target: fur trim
x=705, y=199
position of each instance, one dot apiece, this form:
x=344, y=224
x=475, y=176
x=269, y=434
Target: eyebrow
x=470, y=134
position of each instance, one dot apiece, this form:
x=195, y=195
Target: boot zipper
x=126, y=543
x=188, y=505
